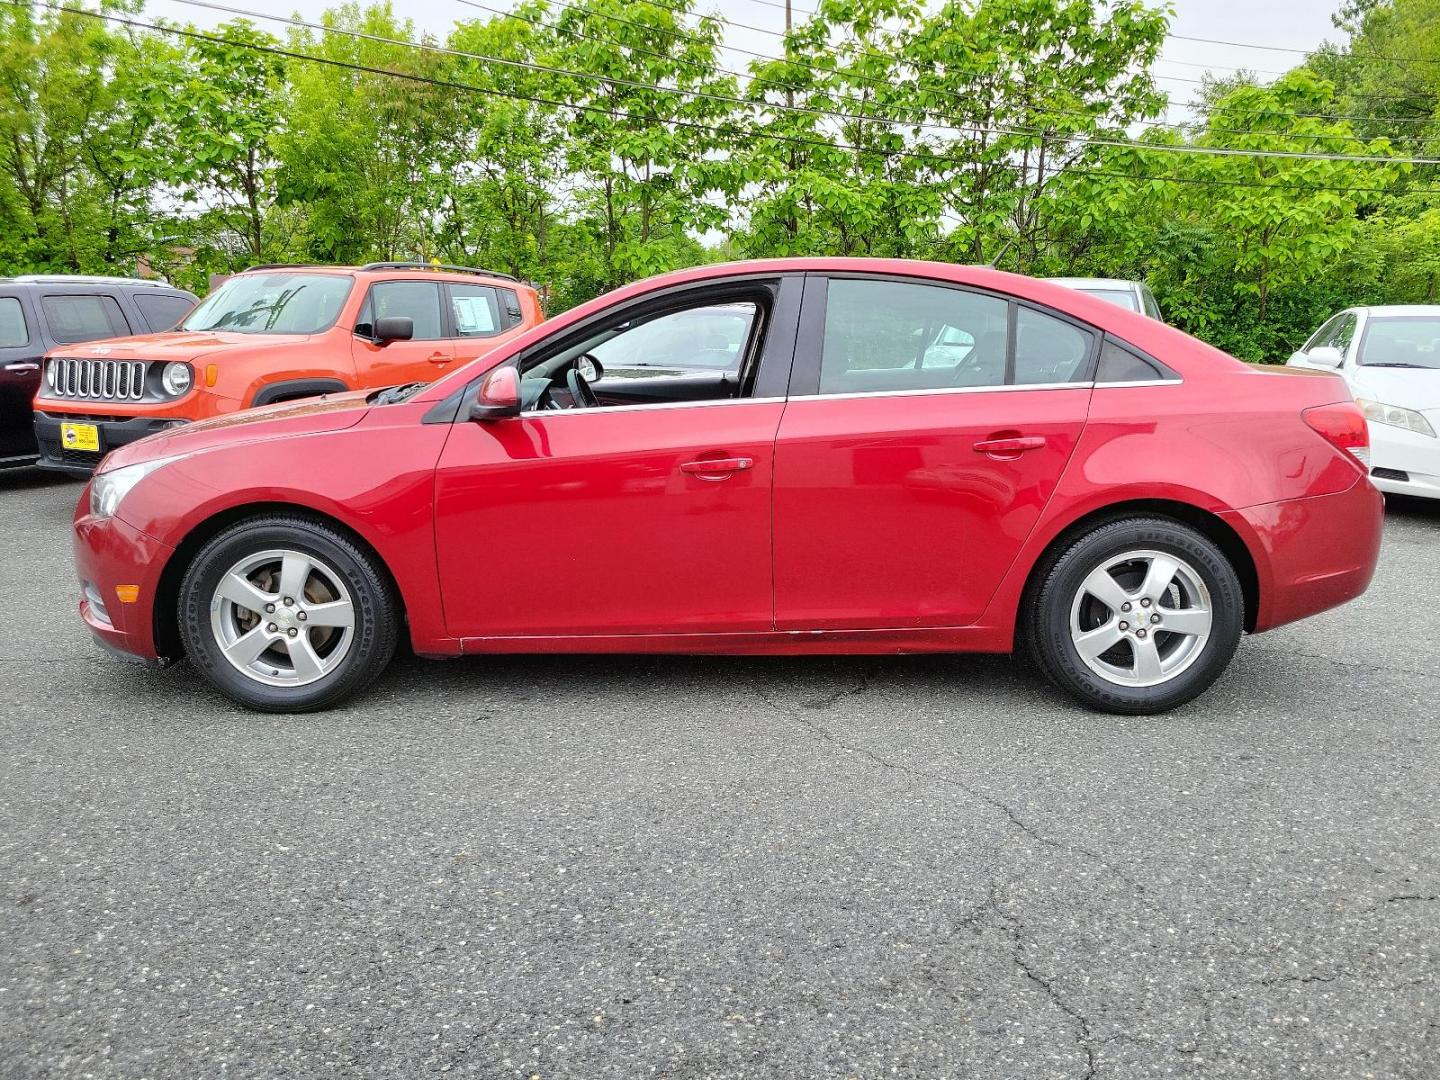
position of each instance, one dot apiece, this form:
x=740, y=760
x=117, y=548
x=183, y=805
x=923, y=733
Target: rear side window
x=1118, y=364
x=12, y=323
x=1049, y=350
x=894, y=336
x=477, y=310
x=510, y=302
x=418, y=300
x=162, y=311
x=83, y=318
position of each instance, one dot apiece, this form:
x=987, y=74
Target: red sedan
x=798, y=456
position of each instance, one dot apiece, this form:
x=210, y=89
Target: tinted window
x=1402, y=342
x=416, y=300
x=887, y=335
x=711, y=338
x=1121, y=365
x=1048, y=350
x=161, y=311
x=273, y=303
x=12, y=323
x=477, y=310
x=83, y=318
x=510, y=299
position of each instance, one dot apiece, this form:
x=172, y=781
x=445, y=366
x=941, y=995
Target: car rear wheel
x=287, y=615
x=1139, y=615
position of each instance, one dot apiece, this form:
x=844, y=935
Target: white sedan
x=1390, y=357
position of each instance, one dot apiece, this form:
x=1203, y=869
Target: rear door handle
x=717, y=468
x=1011, y=446
x=22, y=367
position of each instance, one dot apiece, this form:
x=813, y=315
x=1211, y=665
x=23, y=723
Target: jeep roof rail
x=447, y=267
x=291, y=266
x=87, y=279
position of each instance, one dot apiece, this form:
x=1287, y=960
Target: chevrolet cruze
x=797, y=456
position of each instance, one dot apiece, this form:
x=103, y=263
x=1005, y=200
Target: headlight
x=1395, y=416
x=107, y=489
x=50, y=366
x=176, y=379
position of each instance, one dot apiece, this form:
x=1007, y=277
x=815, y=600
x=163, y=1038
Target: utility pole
x=792, y=226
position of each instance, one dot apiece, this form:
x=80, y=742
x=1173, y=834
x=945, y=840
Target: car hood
x=188, y=345
x=333, y=412
x=1407, y=388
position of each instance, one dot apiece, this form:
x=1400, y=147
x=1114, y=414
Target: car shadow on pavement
x=1419, y=511
x=33, y=479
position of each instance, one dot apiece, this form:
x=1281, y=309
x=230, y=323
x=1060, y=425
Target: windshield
x=273, y=304
x=1412, y=342
x=1123, y=297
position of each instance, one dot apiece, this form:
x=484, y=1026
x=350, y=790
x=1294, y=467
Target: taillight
x=1343, y=426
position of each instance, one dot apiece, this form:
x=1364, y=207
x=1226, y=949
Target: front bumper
x=1312, y=554
x=1405, y=462
x=114, y=431
x=109, y=553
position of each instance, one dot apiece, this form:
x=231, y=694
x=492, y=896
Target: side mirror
x=1326, y=356
x=394, y=328
x=498, y=397
x=1297, y=359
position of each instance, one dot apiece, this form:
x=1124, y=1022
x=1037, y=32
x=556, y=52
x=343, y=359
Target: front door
x=928, y=428
x=582, y=518
x=21, y=353
x=428, y=354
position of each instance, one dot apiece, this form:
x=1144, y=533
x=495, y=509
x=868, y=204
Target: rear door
x=21, y=349
x=429, y=354
x=927, y=427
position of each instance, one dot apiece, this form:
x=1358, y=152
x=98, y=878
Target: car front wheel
x=287, y=614
x=1138, y=616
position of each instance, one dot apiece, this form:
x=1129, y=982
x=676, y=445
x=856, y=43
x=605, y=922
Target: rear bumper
x=113, y=432
x=108, y=553
x=1312, y=554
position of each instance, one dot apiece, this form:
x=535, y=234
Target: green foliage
x=585, y=144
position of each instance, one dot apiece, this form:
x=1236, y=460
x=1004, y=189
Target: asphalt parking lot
x=598, y=867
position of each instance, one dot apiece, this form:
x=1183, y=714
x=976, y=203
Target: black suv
x=40, y=311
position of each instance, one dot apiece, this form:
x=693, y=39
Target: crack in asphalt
x=822, y=732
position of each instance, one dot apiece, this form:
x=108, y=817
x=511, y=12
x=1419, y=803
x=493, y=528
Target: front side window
x=693, y=354
x=83, y=318
x=13, y=332
x=1326, y=334
x=418, y=301
x=709, y=338
x=273, y=303
x=1345, y=334
x=1402, y=342
x=890, y=335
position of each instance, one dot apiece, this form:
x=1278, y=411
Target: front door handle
x=1009, y=447
x=717, y=468
x=22, y=367
x=439, y=358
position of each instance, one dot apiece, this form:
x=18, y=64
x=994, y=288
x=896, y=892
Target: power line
x=623, y=115
x=1366, y=57
x=730, y=99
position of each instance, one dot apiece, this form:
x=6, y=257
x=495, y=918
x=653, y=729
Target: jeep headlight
x=176, y=378
x=107, y=489
x=1380, y=413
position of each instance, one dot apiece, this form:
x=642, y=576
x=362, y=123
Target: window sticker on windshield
x=473, y=315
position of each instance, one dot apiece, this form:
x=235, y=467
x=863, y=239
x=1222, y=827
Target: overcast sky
x=1296, y=24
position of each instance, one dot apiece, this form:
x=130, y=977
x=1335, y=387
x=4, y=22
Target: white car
x=1134, y=295
x=1390, y=358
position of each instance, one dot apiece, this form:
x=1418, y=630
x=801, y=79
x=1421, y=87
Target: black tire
x=375, y=612
x=1047, y=618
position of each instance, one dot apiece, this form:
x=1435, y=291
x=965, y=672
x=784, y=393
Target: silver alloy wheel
x=283, y=617
x=1141, y=618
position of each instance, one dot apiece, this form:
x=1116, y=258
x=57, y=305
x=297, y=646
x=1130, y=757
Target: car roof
x=1094, y=283
x=1382, y=311
x=89, y=281
x=394, y=269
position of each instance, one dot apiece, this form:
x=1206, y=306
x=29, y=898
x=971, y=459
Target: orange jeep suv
x=274, y=333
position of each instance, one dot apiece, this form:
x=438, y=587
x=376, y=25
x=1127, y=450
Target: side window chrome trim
x=654, y=406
